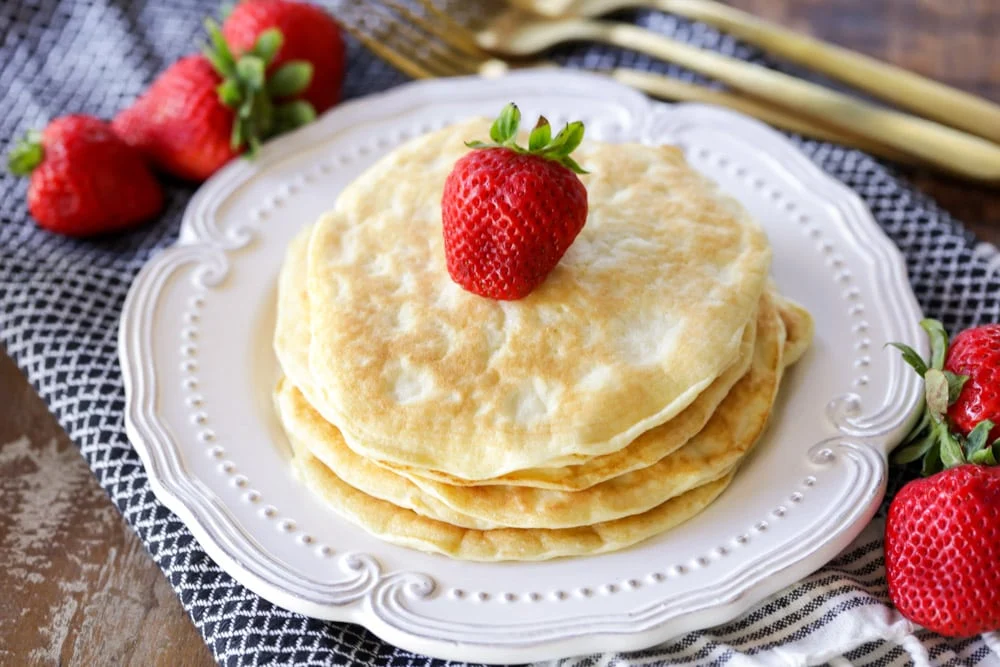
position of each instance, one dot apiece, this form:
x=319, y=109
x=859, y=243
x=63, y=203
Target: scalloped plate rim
x=156, y=459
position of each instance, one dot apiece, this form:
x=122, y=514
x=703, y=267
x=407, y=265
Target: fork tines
x=418, y=38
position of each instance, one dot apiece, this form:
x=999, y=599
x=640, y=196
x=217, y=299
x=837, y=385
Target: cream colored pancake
x=292, y=343
x=407, y=528
x=644, y=311
x=729, y=434
x=313, y=433
x=581, y=472
x=799, y=326
x=655, y=443
x=725, y=439
x=291, y=330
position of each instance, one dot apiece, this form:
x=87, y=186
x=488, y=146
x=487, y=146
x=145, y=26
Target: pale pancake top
x=292, y=344
x=658, y=442
x=644, y=311
x=582, y=472
x=291, y=330
x=729, y=434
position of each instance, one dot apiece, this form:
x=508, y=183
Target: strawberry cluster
x=942, y=534
x=271, y=67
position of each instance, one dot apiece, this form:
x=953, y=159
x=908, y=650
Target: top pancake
x=644, y=311
x=291, y=342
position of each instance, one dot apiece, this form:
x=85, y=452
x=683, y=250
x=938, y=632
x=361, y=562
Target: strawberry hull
x=310, y=35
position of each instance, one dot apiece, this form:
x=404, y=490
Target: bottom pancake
x=321, y=439
x=407, y=528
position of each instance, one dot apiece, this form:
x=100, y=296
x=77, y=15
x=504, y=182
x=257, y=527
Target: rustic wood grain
x=76, y=587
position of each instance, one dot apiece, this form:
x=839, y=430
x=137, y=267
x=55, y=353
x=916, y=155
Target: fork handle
x=668, y=88
x=906, y=89
x=944, y=147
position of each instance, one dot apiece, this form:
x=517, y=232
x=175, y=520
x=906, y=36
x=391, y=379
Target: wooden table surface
x=77, y=586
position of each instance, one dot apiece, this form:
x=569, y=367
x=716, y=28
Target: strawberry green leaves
x=290, y=79
x=955, y=384
x=541, y=136
x=975, y=444
x=251, y=93
x=268, y=44
x=293, y=114
x=939, y=341
x=564, y=143
x=26, y=154
x=503, y=132
x=936, y=393
x=504, y=128
x=912, y=357
x=218, y=53
x=932, y=438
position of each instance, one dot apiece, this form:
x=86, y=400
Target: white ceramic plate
x=199, y=371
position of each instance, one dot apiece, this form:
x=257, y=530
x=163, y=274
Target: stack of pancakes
x=612, y=403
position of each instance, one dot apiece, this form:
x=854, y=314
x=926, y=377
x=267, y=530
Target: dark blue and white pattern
x=60, y=301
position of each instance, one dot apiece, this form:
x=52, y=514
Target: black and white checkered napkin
x=60, y=301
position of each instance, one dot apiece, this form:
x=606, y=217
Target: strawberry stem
x=247, y=89
x=26, y=154
x=503, y=132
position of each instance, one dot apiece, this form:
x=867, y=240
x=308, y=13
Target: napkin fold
x=60, y=301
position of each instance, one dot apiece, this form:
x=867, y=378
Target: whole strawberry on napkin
x=271, y=67
x=85, y=181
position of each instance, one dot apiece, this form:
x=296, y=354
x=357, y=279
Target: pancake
x=581, y=472
x=799, y=326
x=645, y=310
x=407, y=528
x=729, y=434
x=291, y=329
x=303, y=425
x=574, y=473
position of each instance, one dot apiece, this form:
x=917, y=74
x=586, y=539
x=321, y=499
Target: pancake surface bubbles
x=292, y=346
x=646, y=309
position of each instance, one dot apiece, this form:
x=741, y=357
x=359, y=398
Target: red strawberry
x=510, y=213
x=84, y=179
x=942, y=546
x=975, y=353
x=311, y=35
x=204, y=110
x=180, y=123
x=942, y=539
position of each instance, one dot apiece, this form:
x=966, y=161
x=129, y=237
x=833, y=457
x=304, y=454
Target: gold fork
x=435, y=46
x=928, y=97
x=516, y=34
